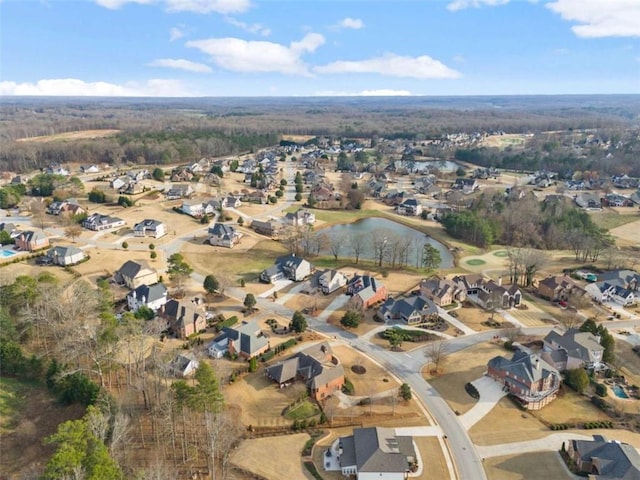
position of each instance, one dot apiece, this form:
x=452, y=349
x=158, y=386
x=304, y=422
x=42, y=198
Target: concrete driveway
x=490, y=393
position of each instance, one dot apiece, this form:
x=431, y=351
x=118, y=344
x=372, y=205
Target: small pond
x=387, y=229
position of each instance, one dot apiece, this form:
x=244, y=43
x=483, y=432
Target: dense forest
x=157, y=131
x=525, y=222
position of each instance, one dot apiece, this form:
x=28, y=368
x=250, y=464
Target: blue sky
x=318, y=47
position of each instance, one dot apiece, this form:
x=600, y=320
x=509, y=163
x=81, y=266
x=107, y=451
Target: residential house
x=30, y=241
x=300, y=217
x=150, y=296
x=527, y=377
x=316, y=366
x=119, y=182
x=67, y=206
x=377, y=453
x=134, y=274
x=616, y=200
x=588, y=200
x=322, y=193
x=177, y=191
x=411, y=207
x=486, y=292
x=65, y=256
x=559, y=288
x=140, y=174
x=99, y=222
x=223, y=235
x=331, y=280
x=600, y=459
x=288, y=267
x=133, y=188
x=231, y=201
x=393, y=198
x=255, y=196
x=466, y=185
x=245, y=341
x=185, y=317
x=184, y=365
x=573, y=349
x=366, y=291
x=413, y=310
x=442, y=292
x=89, y=169
x=150, y=228
x=269, y=228
x=198, y=208
x=635, y=197
x=620, y=286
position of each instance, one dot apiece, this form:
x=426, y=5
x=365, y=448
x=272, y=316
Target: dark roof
x=612, y=459
x=313, y=365
x=222, y=230
x=130, y=269
x=377, y=449
x=151, y=293
x=528, y=368
x=577, y=344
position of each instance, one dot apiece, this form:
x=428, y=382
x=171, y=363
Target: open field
x=627, y=235
x=272, y=458
x=504, y=141
x=611, y=218
x=520, y=467
x=70, y=136
x=28, y=415
x=10, y=272
x=244, y=263
x=459, y=369
x=473, y=317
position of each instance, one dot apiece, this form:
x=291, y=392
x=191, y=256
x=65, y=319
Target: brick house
x=30, y=241
x=366, y=291
x=316, y=366
x=527, y=377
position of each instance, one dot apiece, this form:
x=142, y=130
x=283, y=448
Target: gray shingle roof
x=377, y=449
x=614, y=460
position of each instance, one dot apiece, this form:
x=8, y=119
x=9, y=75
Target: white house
x=184, y=365
x=195, y=208
x=151, y=296
x=150, y=228
x=65, y=256
x=331, y=280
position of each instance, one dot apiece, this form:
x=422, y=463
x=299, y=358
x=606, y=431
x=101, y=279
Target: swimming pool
x=619, y=391
x=6, y=253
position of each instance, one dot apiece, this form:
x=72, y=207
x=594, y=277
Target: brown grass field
x=506, y=423
x=627, y=235
x=272, y=458
x=529, y=465
x=71, y=136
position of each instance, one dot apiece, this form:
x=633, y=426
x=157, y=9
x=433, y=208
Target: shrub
x=601, y=389
x=348, y=388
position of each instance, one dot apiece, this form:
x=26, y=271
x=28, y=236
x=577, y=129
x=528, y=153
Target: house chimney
x=500, y=281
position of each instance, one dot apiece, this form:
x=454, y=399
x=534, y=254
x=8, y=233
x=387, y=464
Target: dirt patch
x=474, y=317
x=518, y=467
x=70, y=136
x=272, y=458
x=358, y=369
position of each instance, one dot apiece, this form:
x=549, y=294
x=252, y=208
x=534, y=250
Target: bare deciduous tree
x=436, y=352
x=72, y=232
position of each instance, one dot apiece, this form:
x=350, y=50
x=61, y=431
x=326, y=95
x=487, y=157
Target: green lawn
x=475, y=262
x=611, y=219
x=305, y=409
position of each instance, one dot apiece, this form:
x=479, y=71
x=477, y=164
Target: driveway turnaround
x=490, y=393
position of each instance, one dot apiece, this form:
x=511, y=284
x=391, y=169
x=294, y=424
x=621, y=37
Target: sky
x=230, y=48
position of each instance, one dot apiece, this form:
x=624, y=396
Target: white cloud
x=422, y=67
x=74, y=87
x=224, y=7
x=256, y=28
x=354, y=23
x=258, y=56
x=180, y=64
x=600, y=18
x=175, y=33
x=462, y=4
x=366, y=93
x=115, y=4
